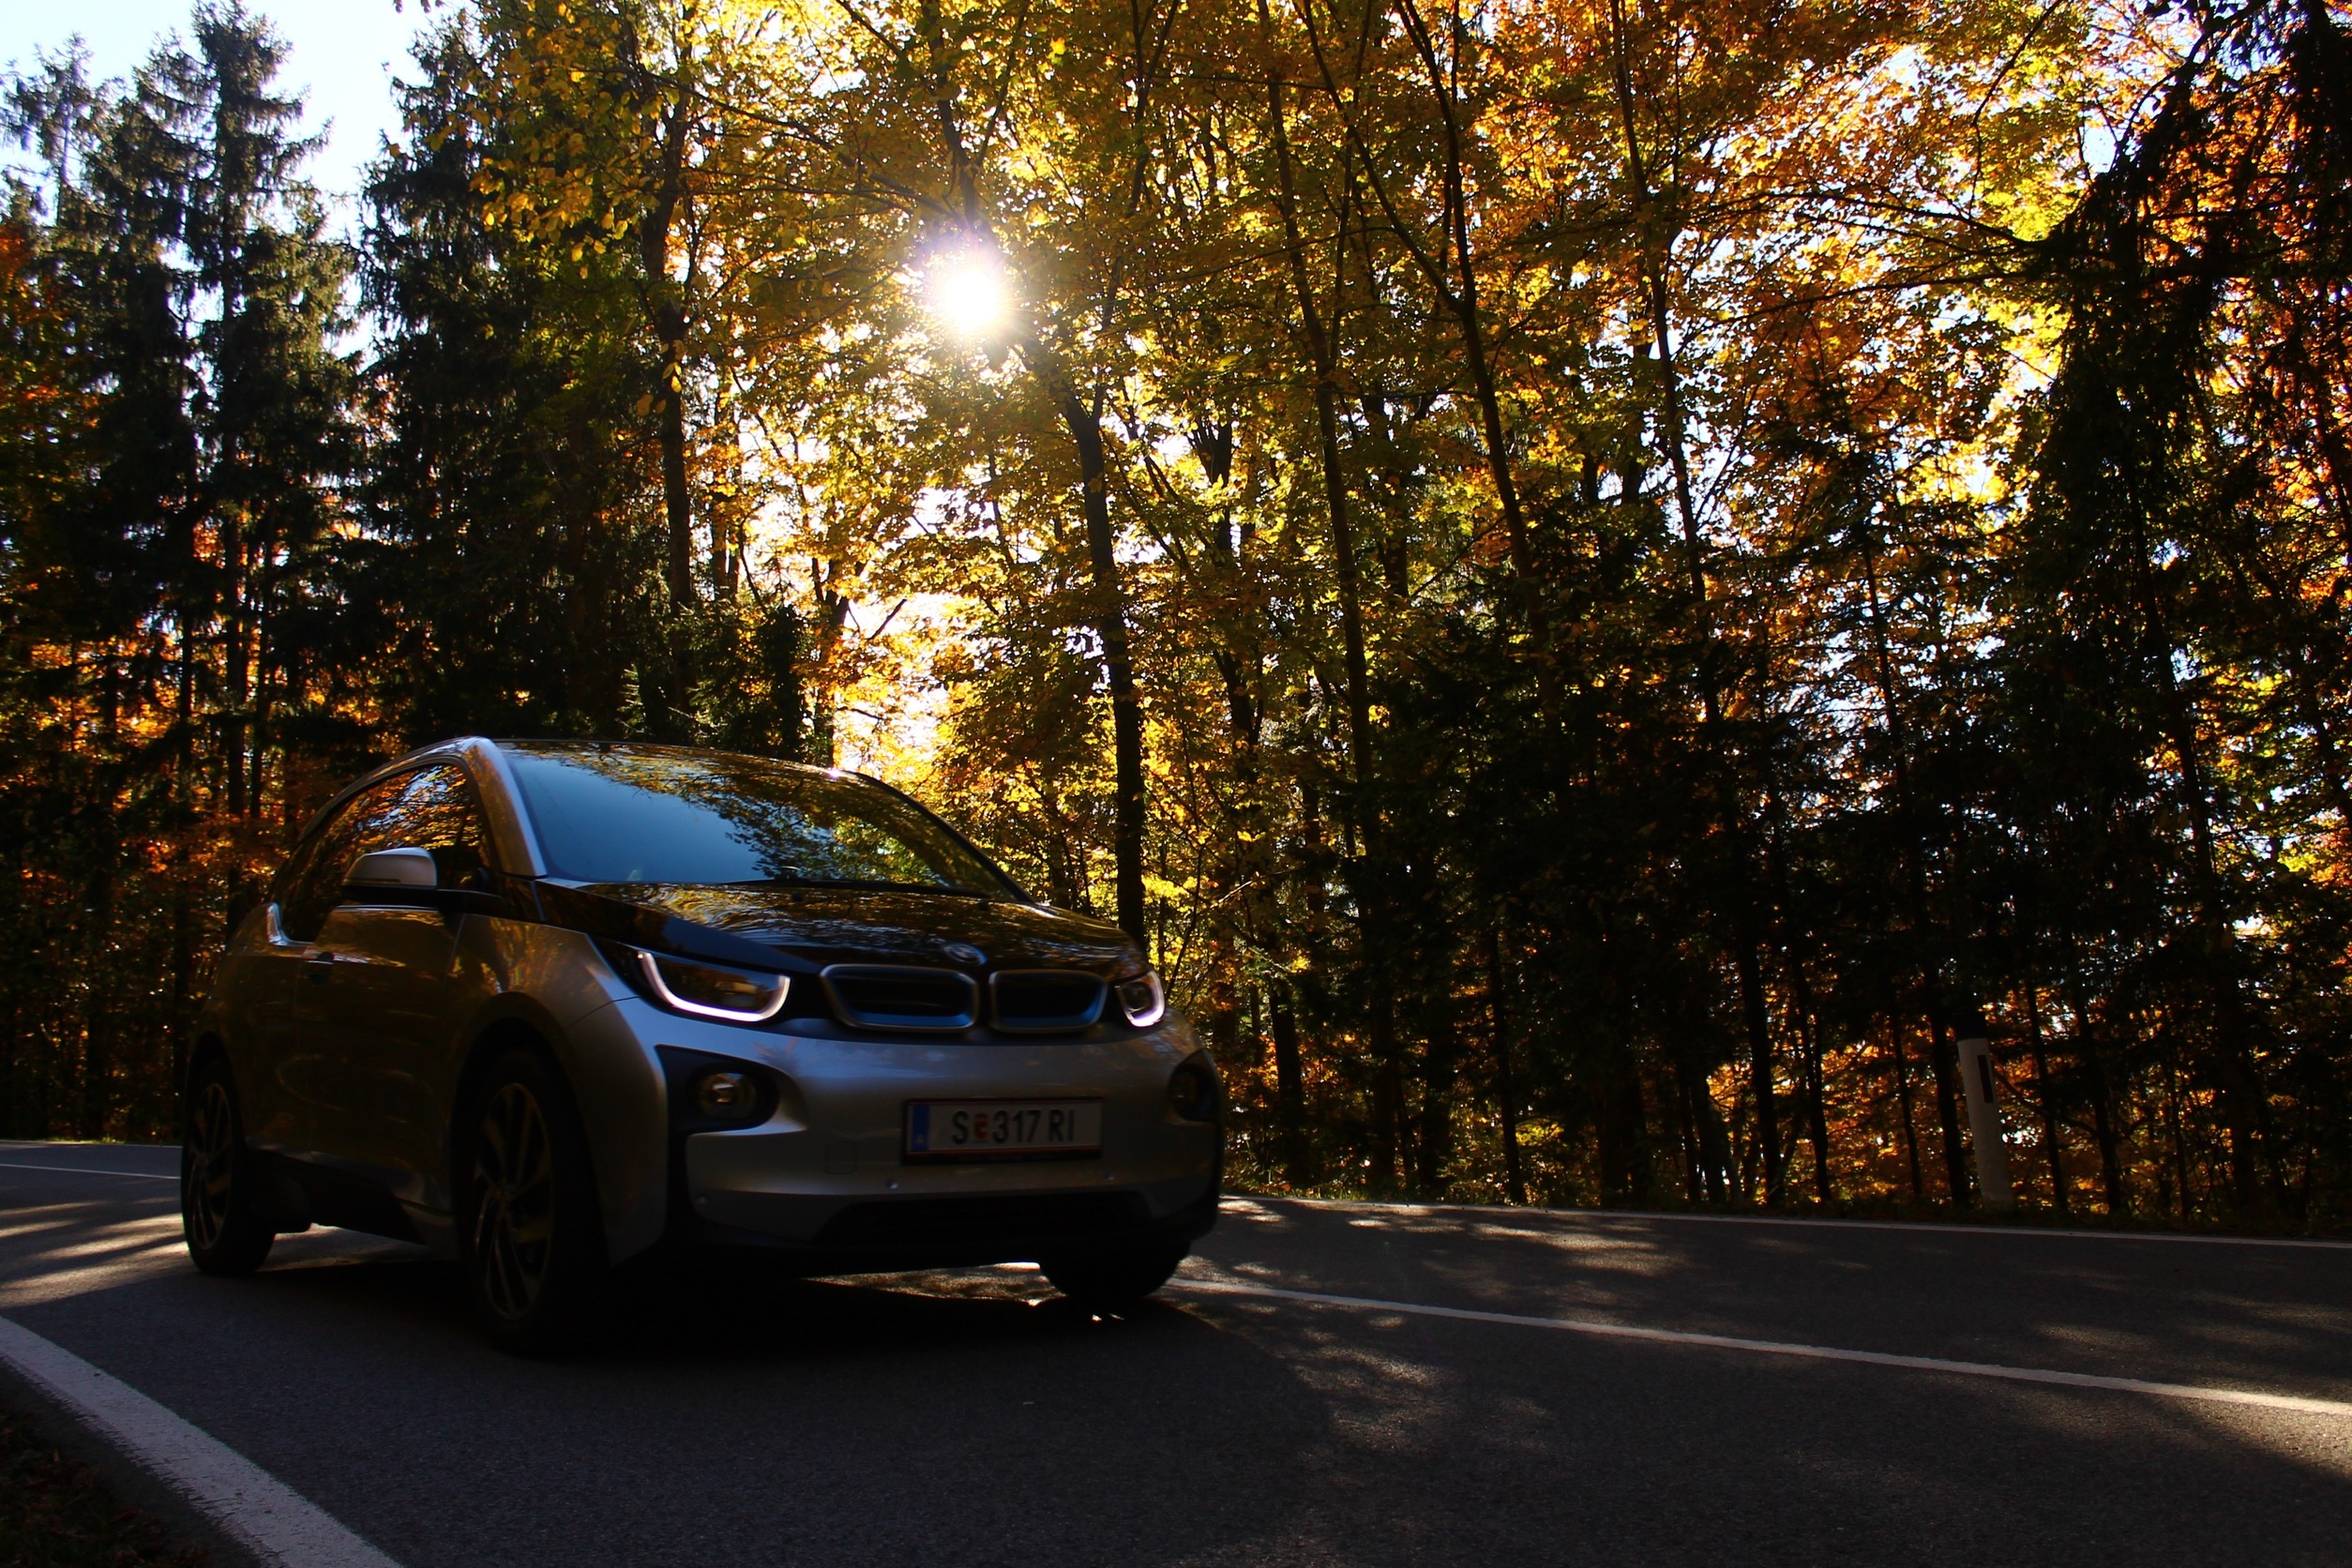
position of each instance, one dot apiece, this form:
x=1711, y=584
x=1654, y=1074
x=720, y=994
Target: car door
x=291, y=1088
x=383, y=997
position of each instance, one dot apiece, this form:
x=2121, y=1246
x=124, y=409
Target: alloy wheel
x=514, y=1201
x=212, y=1162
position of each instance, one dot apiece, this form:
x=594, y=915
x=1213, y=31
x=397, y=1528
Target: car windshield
x=645, y=814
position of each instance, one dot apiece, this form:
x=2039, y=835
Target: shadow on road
x=696, y=1314
x=972, y=1416
x=2259, y=1317
x=975, y=1417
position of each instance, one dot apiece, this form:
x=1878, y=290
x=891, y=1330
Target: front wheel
x=535, y=1261
x=223, y=1213
x=1112, y=1281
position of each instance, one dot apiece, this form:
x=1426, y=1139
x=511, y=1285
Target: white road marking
x=1500, y=1211
x=87, y=1170
x=257, y=1510
x=1777, y=1347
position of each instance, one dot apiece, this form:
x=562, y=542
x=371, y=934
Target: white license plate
x=1003, y=1129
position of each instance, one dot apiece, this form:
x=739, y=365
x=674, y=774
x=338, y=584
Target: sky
x=344, y=54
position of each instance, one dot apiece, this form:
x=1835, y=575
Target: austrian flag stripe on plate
x=964, y=1130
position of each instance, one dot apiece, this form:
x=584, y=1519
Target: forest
x=1599, y=581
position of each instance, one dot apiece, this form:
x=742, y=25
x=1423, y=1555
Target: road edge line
x=246, y=1503
x=1530, y=1211
x=87, y=1170
x=1599, y=1329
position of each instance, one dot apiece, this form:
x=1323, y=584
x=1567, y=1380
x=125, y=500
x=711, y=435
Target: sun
x=969, y=292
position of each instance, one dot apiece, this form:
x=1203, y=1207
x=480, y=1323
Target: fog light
x=726, y=1097
x=1192, y=1091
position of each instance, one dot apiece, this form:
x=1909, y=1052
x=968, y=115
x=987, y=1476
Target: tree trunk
x=669, y=713
x=1478, y=362
x=727, y=507
x=1083, y=419
x=1753, y=1010
x=1815, y=1109
x=1621, y=1117
x=237, y=673
x=1714, y=1144
x=258, y=732
x=666, y=312
x=1506, y=1090
x=1436, y=1140
x=1901, y=1062
x=2243, y=1110
x=100, y=1021
x=1291, y=1088
x=1322, y=350
x=1371, y=879
x=1946, y=1058
x=2089, y=1052
x=1451, y=274
x=2047, y=1094
x=1654, y=251
x=1085, y=425
x=1392, y=1139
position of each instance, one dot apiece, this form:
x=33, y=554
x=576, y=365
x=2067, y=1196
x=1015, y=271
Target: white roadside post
x=1984, y=1122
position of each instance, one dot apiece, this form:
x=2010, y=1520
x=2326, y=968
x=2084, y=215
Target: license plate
x=1004, y=1129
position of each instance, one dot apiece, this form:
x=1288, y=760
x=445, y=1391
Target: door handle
x=320, y=967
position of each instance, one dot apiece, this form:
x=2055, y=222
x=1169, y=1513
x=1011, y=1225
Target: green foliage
x=507, y=561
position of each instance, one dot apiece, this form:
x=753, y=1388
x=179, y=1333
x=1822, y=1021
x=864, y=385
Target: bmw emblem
x=964, y=952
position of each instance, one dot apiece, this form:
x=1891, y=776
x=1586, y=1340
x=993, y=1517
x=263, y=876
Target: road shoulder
x=183, y=1524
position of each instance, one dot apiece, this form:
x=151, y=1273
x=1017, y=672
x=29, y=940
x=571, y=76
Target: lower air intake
x=982, y=1222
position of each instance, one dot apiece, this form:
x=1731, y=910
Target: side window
x=313, y=883
x=432, y=808
x=294, y=878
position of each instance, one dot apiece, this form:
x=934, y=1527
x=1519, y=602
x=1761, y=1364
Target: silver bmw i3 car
x=555, y=1007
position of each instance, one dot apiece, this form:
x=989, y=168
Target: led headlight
x=1142, y=999
x=708, y=991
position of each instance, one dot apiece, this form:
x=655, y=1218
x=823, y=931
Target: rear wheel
x=222, y=1211
x=1109, y=1281
x=533, y=1248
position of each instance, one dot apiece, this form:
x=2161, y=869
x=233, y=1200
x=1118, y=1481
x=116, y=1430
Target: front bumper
x=822, y=1186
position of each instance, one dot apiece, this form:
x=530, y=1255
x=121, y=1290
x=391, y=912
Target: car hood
x=821, y=926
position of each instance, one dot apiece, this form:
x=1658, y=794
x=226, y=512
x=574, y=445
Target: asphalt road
x=973, y=1418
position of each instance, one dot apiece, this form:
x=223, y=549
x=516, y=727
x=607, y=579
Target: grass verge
x=56, y=1512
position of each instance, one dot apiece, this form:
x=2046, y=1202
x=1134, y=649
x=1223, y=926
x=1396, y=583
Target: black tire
x=224, y=1212
x=1113, y=1281
x=530, y=1232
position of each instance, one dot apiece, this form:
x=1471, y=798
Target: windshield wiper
x=861, y=884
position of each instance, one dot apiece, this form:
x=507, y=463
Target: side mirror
x=407, y=868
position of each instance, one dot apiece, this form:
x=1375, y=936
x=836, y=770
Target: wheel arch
x=492, y=1039
x=615, y=1095
x=207, y=1046
x=208, y=1043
